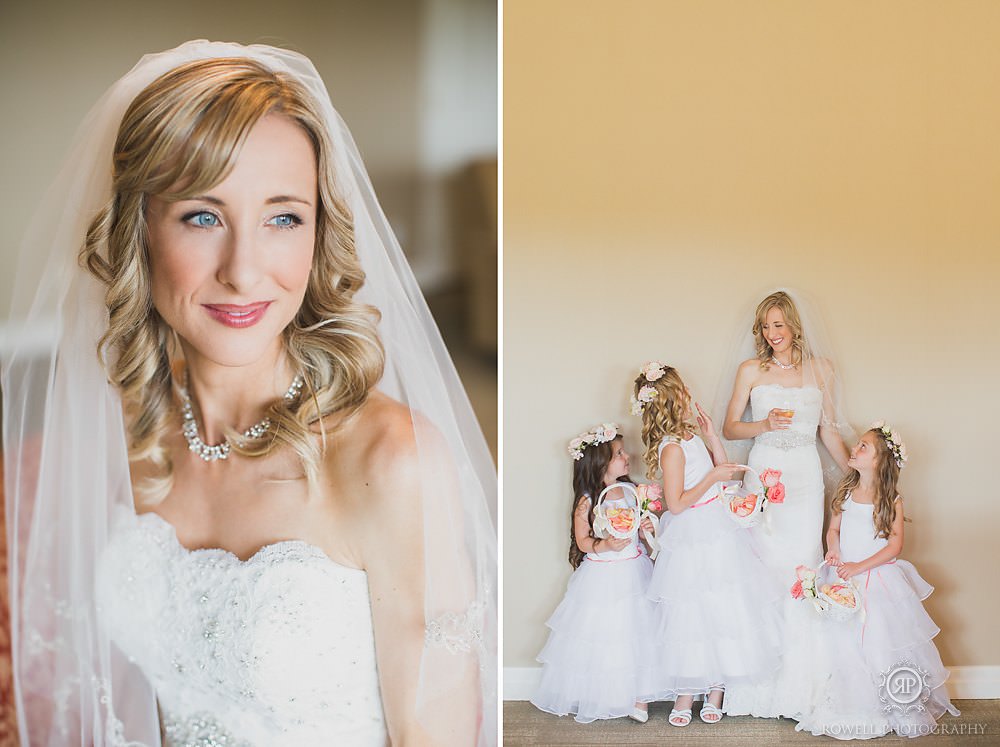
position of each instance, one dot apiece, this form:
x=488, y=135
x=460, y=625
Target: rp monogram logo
x=904, y=688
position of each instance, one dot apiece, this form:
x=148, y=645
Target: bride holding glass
x=786, y=395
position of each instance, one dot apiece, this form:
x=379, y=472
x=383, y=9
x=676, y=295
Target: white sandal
x=638, y=714
x=707, y=709
x=682, y=715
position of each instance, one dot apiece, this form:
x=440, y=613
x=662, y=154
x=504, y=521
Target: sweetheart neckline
x=782, y=386
x=263, y=550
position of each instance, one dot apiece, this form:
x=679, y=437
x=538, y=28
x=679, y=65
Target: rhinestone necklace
x=221, y=451
x=782, y=366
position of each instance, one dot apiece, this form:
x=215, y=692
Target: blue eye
x=202, y=219
x=286, y=220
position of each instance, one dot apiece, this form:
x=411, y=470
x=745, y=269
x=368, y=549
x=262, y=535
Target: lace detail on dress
x=198, y=730
x=457, y=631
x=274, y=650
x=826, y=420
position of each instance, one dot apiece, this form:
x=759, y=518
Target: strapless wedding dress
x=789, y=535
x=274, y=650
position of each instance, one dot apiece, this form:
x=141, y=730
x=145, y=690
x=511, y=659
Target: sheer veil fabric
x=66, y=465
x=742, y=347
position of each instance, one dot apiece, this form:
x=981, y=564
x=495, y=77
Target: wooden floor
x=523, y=724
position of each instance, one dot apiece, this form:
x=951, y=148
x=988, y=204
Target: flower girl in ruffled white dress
x=599, y=661
x=885, y=671
x=719, y=620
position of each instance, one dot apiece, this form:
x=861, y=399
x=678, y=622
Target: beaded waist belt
x=786, y=439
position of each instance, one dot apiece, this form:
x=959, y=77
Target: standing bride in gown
x=783, y=398
x=248, y=499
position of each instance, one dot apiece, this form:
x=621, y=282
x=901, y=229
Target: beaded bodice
x=807, y=402
x=274, y=650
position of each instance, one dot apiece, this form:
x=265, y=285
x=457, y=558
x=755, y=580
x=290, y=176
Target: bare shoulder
x=379, y=446
x=823, y=366
x=748, y=371
x=672, y=453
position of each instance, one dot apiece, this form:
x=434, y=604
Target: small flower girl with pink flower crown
x=597, y=661
x=885, y=671
x=718, y=614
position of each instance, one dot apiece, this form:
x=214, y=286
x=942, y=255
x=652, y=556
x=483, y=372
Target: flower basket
x=841, y=599
x=621, y=523
x=743, y=499
x=831, y=596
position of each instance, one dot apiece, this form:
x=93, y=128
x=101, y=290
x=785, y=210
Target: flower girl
x=718, y=611
x=597, y=662
x=885, y=671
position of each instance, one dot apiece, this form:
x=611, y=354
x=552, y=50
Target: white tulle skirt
x=601, y=655
x=895, y=631
x=718, y=608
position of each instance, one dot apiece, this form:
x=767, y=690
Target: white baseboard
x=974, y=683
x=520, y=683
x=966, y=683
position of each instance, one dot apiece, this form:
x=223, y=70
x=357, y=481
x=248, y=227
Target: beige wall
x=666, y=163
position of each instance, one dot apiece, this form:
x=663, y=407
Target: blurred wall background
x=668, y=163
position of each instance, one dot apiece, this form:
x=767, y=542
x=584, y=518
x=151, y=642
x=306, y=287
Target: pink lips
x=233, y=315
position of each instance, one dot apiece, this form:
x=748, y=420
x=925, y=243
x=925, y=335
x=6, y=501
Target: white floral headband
x=599, y=435
x=652, y=371
x=894, y=442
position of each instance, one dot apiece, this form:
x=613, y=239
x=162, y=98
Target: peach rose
x=770, y=477
x=776, y=494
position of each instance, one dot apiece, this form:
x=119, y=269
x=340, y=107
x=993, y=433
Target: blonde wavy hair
x=784, y=302
x=666, y=416
x=180, y=137
x=886, y=482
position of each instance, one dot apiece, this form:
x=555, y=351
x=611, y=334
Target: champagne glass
x=787, y=409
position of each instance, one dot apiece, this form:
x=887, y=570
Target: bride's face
x=776, y=331
x=229, y=267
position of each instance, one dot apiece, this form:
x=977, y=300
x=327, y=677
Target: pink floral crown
x=652, y=371
x=599, y=435
x=894, y=442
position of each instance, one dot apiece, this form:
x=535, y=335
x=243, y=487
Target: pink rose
x=652, y=371
x=770, y=477
x=654, y=491
x=655, y=505
x=797, y=589
x=777, y=493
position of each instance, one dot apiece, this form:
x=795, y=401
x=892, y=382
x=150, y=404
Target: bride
x=248, y=496
x=783, y=397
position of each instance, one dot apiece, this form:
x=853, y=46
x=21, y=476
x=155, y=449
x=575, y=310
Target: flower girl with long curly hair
x=867, y=654
x=718, y=611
